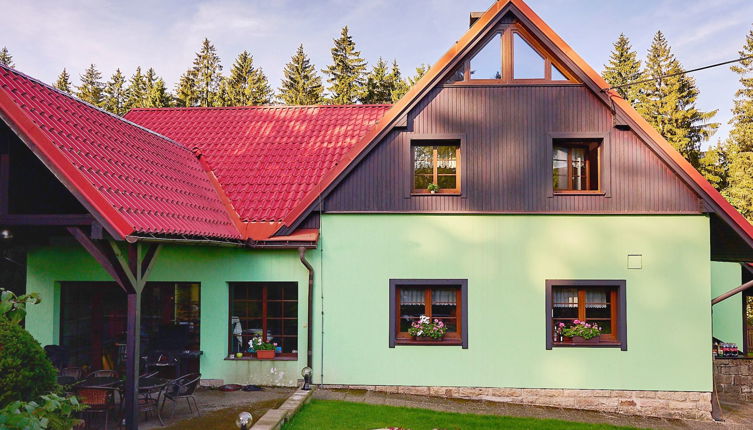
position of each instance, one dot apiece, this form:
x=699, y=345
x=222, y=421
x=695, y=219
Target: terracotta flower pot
x=578, y=339
x=266, y=354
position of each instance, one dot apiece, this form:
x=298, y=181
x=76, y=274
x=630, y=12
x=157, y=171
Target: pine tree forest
x=668, y=103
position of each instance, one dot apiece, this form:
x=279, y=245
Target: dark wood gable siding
x=506, y=151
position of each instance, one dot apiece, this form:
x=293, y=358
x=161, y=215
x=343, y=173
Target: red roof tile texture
x=266, y=158
x=140, y=182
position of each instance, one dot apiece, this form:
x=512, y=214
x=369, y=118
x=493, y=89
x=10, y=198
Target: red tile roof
x=135, y=181
x=266, y=158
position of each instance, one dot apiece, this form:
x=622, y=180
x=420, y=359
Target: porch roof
x=134, y=181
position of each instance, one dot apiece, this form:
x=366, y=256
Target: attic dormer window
x=509, y=55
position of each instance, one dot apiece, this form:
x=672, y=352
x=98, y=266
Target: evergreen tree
x=208, y=73
x=668, y=103
x=247, y=85
x=5, y=58
x=158, y=96
x=91, y=87
x=186, y=93
x=114, y=94
x=137, y=90
x=740, y=143
x=396, y=78
x=301, y=85
x=379, y=84
x=221, y=97
x=404, y=85
x=346, y=74
x=64, y=82
x=623, y=68
x=714, y=165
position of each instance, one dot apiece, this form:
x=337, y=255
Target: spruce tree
x=739, y=191
x=158, y=95
x=186, y=92
x=668, y=103
x=208, y=73
x=114, y=94
x=301, y=85
x=397, y=82
x=137, y=91
x=346, y=74
x=623, y=68
x=5, y=58
x=91, y=86
x=379, y=84
x=402, y=86
x=247, y=85
x=64, y=82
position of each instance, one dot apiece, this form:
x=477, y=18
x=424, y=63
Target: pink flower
x=576, y=321
x=562, y=324
x=588, y=325
x=275, y=344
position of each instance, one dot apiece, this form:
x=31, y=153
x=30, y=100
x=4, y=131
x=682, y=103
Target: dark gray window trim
x=621, y=308
x=462, y=283
x=605, y=161
x=417, y=138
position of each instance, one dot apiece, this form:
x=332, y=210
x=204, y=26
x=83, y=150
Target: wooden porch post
x=131, y=273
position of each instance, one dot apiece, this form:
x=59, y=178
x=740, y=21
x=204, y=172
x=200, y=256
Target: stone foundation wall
x=666, y=404
x=734, y=377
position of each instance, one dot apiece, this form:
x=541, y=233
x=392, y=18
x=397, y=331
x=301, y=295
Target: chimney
x=474, y=17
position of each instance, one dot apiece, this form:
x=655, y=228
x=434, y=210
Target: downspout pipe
x=310, y=312
x=732, y=292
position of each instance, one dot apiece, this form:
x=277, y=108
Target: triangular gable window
x=487, y=63
x=509, y=56
x=528, y=64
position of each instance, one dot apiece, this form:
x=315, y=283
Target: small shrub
x=52, y=412
x=26, y=371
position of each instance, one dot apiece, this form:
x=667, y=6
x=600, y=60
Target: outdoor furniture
x=150, y=391
x=182, y=388
x=104, y=374
x=74, y=372
x=99, y=382
x=98, y=401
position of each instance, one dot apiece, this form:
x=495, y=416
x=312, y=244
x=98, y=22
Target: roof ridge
x=319, y=106
x=76, y=99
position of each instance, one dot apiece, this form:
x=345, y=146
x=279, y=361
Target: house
x=315, y=227
x=733, y=317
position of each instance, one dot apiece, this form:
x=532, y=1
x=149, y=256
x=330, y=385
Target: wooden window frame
x=458, y=190
x=507, y=32
x=285, y=356
x=619, y=312
x=580, y=143
x=395, y=337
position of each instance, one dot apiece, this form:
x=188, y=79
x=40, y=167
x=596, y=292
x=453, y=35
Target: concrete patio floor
x=737, y=414
x=219, y=409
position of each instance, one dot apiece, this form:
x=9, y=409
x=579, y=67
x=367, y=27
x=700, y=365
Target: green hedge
x=26, y=371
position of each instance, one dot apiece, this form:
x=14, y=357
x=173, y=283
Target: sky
x=45, y=35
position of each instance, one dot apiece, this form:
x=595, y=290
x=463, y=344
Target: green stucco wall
x=728, y=314
x=213, y=267
x=506, y=260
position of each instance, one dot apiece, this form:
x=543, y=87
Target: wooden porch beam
x=43, y=220
x=102, y=257
x=4, y=183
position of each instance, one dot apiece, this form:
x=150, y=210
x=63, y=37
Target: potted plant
x=580, y=331
x=433, y=188
x=264, y=350
x=427, y=330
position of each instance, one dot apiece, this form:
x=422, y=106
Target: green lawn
x=334, y=415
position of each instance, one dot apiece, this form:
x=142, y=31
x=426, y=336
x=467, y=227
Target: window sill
x=579, y=193
x=253, y=358
x=450, y=342
x=587, y=345
x=415, y=194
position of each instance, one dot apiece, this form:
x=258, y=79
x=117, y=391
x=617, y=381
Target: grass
x=335, y=415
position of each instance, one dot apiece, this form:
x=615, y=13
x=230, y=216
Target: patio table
x=99, y=381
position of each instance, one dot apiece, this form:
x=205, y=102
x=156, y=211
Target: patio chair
x=98, y=401
x=106, y=373
x=74, y=372
x=182, y=388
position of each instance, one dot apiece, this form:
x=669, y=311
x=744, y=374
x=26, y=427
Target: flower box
x=428, y=339
x=265, y=354
x=579, y=339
